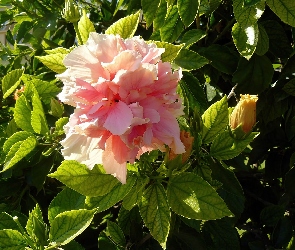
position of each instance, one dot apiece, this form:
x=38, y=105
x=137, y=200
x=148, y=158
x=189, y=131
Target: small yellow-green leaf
x=171, y=50
x=22, y=114
x=18, y=151
x=59, y=50
x=12, y=240
x=16, y=137
x=11, y=81
x=125, y=27
x=54, y=62
x=69, y=224
x=85, y=26
x=215, y=119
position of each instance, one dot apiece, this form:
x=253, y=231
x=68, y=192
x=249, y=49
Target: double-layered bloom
x=125, y=102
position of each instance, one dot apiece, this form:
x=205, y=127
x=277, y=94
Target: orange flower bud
x=187, y=141
x=244, y=113
x=19, y=92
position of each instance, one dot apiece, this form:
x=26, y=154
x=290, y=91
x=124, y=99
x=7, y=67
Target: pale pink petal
x=118, y=119
x=127, y=60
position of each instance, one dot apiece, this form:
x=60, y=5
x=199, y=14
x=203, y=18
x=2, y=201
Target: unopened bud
x=187, y=141
x=19, y=92
x=71, y=12
x=244, y=114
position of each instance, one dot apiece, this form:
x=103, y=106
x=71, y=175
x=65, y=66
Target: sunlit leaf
x=11, y=81
x=192, y=197
x=245, y=39
x=172, y=27
x=215, y=119
x=67, y=225
x=225, y=147
x=125, y=27
x=83, y=180
x=187, y=10
x=155, y=212
x=85, y=26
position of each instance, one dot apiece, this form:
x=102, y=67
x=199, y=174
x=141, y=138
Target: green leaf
x=125, y=27
x=187, y=10
x=53, y=62
x=192, y=197
x=160, y=15
x=11, y=128
x=129, y=221
x=253, y=76
x=223, y=234
x=132, y=198
x=284, y=9
x=247, y=15
x=73, y=245
x=7, y=222
x=67, y=199
x=67, y=225
x=172, y=27
x=149, y=8
x=271, y=215
x=155, y=212
x=11, y=81
x=18, y=151
x=59, y=124
x=279, y=42
x=231, y=190
x=85, y=26
x=225, y=147
x=22, y=114
x=171, y=50
x=16, y=137
x=57, y=108
x=116, y=233
x=250, y=2
x=190, y=85
x=263, y=42
x=189, y=59
x=289, y=87
x=38, y=120
x=11, y=240
x=215, y=119
x=192, y=36
x=59, y=50
x=36, y=227
x=245, y=39
x=87, y=182
x=221, y=58
x=102, y=203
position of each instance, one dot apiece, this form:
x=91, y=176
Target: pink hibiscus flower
x=125, y=102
